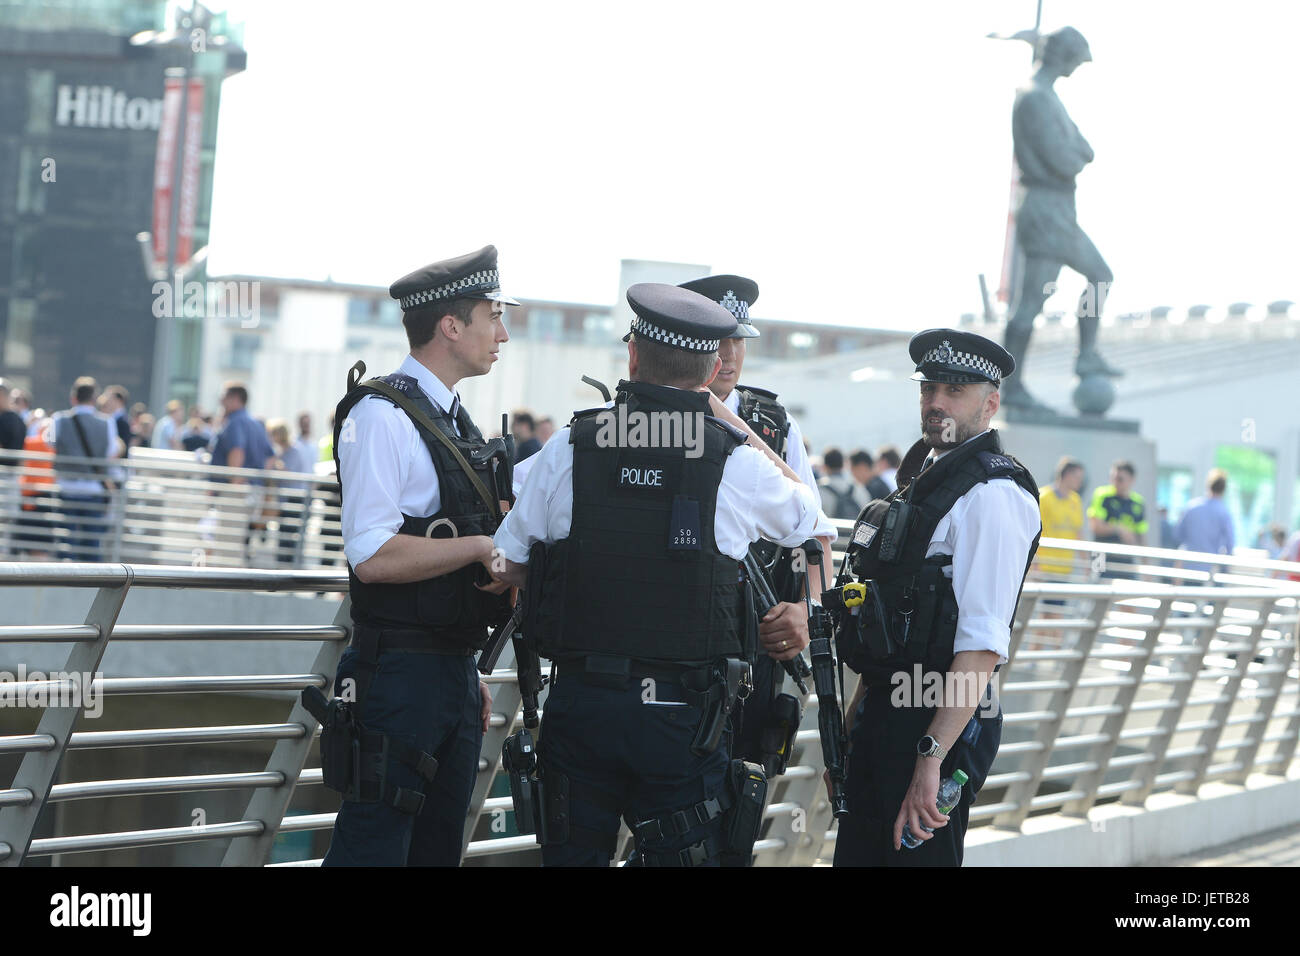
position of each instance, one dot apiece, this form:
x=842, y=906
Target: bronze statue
x=1050, y=153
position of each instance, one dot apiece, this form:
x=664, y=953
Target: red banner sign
x=163, y=165
x=189, y=204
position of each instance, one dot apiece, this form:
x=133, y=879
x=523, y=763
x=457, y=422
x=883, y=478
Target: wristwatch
x=927, y=746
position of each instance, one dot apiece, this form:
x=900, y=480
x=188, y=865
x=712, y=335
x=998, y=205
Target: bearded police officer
x=946, y=556
x=632, y=551
x=765, y=723
x=419, y=509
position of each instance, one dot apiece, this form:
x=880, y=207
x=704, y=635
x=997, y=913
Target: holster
x=747, y=791
x=519, y=761
x=354, y=761
x=731, y=681
x=776, y=737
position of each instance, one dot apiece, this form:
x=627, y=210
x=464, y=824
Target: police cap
x=735, y=294
x=957, y=358
x=678, y=318
x=471, y=276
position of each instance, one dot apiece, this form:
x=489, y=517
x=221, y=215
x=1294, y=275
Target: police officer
x=418, y=515
x=783, y=632
x=637, y=604
x=948, y=553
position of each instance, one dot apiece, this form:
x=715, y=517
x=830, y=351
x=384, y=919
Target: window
x=598, y=327
x=361, y=311
x=545, y=325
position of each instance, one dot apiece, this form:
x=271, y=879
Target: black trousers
x=433, y=702
x=625, y=751
x=881, y=762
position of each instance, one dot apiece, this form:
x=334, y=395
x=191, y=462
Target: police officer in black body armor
x=947, y=553
x=632, y=556
x=783, y=633
x=419, y=509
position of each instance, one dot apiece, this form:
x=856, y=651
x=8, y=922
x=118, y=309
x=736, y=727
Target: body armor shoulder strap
x=430, y=421
x=761, y=410
x=940, y=487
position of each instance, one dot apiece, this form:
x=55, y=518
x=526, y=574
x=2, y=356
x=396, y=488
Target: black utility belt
x=411, y=640
x=605, y=669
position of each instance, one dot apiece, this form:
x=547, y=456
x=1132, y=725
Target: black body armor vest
x=760, y=410
x=448, y=605
x=640, y=574
x=889, y=544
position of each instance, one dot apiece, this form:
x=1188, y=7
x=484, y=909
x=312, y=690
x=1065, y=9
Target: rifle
x=830, y=719
x=528, y=665
x=796, y=667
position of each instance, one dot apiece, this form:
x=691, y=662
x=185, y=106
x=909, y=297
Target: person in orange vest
x=35, y=481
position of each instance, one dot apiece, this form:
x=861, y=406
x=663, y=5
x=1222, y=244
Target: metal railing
x=1123, y=689
x=167, y=508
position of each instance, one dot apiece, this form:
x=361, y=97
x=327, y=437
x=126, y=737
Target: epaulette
x=405, y=384
x=997, y=465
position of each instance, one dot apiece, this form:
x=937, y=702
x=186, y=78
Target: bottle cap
x=960, y=776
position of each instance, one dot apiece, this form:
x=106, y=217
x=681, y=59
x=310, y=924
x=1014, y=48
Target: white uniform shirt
x=988, y=532
x=755, y=500
x=386, y=469
x=796, y=456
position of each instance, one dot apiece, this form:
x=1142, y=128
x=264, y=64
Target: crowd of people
x=102, y=423
x=232, y=436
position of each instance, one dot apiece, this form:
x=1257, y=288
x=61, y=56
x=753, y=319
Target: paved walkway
x=1274, y=848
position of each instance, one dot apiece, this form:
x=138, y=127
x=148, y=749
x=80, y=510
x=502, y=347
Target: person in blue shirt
x=242, y=441
x=1206, y=525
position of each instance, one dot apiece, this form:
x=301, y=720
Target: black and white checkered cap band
x=737, y=307
x=488, y=280
x=946, y=355
x=641, y=327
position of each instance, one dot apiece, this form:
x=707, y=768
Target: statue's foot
x=1017, y=397
x=1090, y=362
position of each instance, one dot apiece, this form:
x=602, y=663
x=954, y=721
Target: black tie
x=926, y=464
x=455, y=411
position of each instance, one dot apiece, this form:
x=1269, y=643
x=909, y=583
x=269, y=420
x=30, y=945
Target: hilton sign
x=106, y=108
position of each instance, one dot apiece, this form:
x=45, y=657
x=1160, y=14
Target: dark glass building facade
x=80, y=107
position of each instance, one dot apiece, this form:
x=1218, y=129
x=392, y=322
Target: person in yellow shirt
x=1062, y=514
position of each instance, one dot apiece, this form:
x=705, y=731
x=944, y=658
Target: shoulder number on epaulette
x=996, y=464
x=403, y=383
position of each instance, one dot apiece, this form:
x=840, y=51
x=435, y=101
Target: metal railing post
x=1208, y=740
x=1167, y=723
x=40, y=768
x=1021, y=793
x=804, y=827
x=269, y=805
x=1271, y=686
x=1101, y=753
x=1286, y=748
x=117, y=508
x=506, y=701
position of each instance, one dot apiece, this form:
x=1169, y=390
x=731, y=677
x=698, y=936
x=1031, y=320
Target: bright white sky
x=853, y=158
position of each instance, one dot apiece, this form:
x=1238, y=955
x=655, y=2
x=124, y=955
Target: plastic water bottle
x=949, y=797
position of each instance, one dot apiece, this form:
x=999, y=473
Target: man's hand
x=919, y=804
x=486, y=712
x=494, y=563
x=784, y=631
